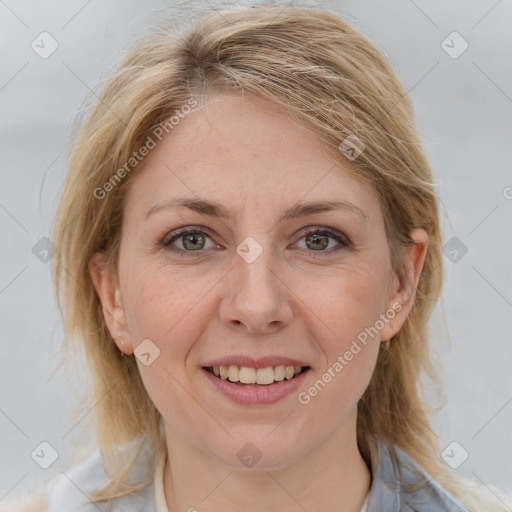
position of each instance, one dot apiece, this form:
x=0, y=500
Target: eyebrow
x=213, y=209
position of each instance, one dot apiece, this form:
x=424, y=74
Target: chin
x=258, y=452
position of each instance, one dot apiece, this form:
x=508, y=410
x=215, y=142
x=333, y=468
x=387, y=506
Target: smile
x=258, y=376
x=266, y=385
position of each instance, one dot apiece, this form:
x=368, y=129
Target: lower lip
x=255, y=394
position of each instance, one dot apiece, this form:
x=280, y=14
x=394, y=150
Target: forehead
x=237, y=150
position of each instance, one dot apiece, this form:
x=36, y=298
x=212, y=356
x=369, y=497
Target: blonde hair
x=331, y=78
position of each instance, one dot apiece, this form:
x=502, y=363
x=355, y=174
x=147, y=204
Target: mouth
x=255, y=377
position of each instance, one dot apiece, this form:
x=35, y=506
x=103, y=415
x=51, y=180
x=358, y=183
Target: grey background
x=463, y=109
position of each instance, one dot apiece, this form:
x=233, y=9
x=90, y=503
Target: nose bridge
x=256, y=296
x=255, y=263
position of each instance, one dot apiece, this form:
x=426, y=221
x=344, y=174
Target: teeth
x=262, y=376
x=233, y=373
x=279, y=372
x=247, y=375
x=265, y=375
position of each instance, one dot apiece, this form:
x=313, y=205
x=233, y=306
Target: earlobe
x=109, y=293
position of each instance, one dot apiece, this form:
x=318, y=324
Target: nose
x=257, y=298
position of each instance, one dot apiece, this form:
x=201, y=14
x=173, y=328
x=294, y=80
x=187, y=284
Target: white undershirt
x=161, y=504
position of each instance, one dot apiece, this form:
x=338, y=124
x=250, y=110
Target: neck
x=333, y=477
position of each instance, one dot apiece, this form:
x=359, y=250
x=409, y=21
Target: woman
x=250, y=250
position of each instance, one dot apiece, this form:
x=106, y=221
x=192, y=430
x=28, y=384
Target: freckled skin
x=291, y=301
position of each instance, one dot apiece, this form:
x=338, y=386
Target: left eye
x=193, y=240
x=318, y=239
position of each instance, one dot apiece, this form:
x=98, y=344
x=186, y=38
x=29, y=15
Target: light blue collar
x=390, y=493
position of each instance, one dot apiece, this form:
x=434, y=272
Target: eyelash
x=340, y=238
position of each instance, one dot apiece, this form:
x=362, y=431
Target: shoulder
x=70, y=491
x=477, y=497
x=403, y=484
x=431, y=493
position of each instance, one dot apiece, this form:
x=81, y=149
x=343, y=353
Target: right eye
x=191, y=239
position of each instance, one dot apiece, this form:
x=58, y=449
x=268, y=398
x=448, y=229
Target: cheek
x=350, y=309
x=166, y=305
x=162, y=307
x=350, y=302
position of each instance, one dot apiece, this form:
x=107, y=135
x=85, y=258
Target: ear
x=109, y=293
x=402, y=295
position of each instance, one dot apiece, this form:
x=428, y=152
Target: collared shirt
x=389, y=490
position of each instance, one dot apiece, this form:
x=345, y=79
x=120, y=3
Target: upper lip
x=249, y=362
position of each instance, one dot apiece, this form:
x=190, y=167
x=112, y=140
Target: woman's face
x=252, y=284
